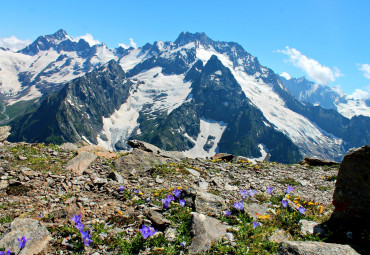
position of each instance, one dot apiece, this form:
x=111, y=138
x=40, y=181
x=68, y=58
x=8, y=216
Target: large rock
x=4, y=133
x=139, y=161
x=317, y=162
x=30, y=228
x=204, y=202
x=81, y=162
x=352, y=191
x=314, y=248
x=177, y=155
x=205, y=230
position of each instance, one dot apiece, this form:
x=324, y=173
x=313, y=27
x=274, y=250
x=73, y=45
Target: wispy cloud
x=366, y=69
x=285, y=75
x=362, y=93
x=13, y=43
x=314, y=70
x=132, y=44
x=88, y=38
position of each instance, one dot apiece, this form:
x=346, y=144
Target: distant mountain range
x=194, y=95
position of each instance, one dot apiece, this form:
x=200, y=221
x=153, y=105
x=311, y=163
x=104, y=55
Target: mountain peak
x=60, y=34
x=186, y=37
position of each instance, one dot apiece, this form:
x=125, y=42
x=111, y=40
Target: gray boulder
x=352, y=191
x=81, y=162
x=314, y=248
x=37, y=234
x=205, y=230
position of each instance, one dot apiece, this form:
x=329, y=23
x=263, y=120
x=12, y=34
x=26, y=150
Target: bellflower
x=269, y=190
x=243, y=193
x=289, y=188
x=302, y=210
x=227, y=213
x=183, y=244
x=22, y=242
x=76, y=219
x=147, y=231
x=5, y=253
x=121, y=188
x=239, y=206
x=166, y=203
x=182, y=202
x=177, y=193
x=255, y=224
x=86, y=237
x=284, y=202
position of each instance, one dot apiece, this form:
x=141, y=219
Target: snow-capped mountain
x=46, y=64
x=326, y=97
x=194, y=94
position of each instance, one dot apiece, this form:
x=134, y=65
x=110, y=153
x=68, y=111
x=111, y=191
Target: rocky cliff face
x=76, y=111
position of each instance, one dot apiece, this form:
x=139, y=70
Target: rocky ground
x=117, y=193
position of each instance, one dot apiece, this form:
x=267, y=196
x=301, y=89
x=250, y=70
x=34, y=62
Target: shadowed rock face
x=352, y=191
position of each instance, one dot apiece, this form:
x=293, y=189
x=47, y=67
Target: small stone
x=193, y=172
x=310, y=227
x=170, y=234
x=158, y=180
x=68, y=147
x=22, y=158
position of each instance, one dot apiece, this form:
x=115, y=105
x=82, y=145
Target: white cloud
x=13, y=43
x=362, y=93
x=366, y=69
x=315, y=71
x=132, y=44
x=285, y=75
x=88, y=38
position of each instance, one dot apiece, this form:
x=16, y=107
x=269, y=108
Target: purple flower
x=227, y=213
x=302, y=210
x=22, y=242
x=177, y=193
x=244, y=193
x=5, y=253
x=171, y=198
x=166, y=203
x=121, y=188
x=289, y=188
x=76, y=219
x=269, y=190
x=255, y=224
x=147, y=200
x=137, y=191
x=147, y=231
x=183, y=244
x=86, y=237
x=284, y=202
x=239, y=206
x=79, y=226
x=182, y=202
x=252, y=192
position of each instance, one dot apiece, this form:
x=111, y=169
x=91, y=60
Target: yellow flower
x=310, y=203
x=260, y=217
x=278, y=211
x=140, y=193
x=266, y=216
x=120, y=212
x=170, y=189
x=156, y=194
x=179, y=187
x=316, y=203
x=287, y=196
x=297, y=198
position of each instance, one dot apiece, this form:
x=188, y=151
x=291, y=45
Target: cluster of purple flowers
x=250, y=192
x=85, y=234
x=269, y=190
x=147, y=231
x=176, y=193
x=239, y=206
x=166, y=202
x=255, y=224
x=5, y=253
x=21, y=244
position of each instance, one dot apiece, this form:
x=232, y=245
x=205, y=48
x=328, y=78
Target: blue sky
x=327, y=41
